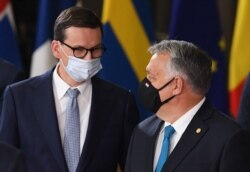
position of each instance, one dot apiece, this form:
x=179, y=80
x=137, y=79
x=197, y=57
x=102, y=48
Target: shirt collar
x=181, y=124
x=61, y=86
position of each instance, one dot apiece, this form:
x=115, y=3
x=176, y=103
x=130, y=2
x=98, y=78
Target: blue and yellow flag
x=128, y=33
x=198, y=22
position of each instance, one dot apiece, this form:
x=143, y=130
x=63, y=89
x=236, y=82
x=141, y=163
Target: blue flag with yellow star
x=197, y=21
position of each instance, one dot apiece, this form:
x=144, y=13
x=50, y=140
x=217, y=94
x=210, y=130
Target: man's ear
x=55, y=48
x=178, y=87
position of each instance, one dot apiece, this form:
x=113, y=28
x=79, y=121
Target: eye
x=79, y=49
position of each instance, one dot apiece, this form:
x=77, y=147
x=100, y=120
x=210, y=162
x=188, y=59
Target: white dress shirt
x=179, y=126
x=84, y=102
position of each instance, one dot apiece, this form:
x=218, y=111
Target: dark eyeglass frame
x=102, y=47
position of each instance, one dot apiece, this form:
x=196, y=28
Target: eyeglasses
x=81, y=52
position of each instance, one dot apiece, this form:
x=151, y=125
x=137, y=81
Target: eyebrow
x=79, y=46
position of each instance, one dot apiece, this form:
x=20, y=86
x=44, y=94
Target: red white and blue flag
x=9, y=49
x=48, y=10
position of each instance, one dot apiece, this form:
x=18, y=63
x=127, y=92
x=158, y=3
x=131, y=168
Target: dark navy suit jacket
x=11, y=159
x=9, y=74
x=29, y=122
x=221, y=146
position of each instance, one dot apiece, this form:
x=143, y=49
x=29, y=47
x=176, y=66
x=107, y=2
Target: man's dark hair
x=76, y=17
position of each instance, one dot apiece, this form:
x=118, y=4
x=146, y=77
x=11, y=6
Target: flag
x=128, y=33
x=239, y=65
x=9, y=49
x=197, y=21
x=42, y=58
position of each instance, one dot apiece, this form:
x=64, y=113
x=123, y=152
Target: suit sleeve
x=130, y=121
x=12, y=78
x=8, y=120
x=18, y=164
x=11, y=159
x=244, y=110
x=236, y=154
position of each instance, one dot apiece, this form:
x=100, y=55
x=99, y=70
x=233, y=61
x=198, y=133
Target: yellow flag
x=240, y=55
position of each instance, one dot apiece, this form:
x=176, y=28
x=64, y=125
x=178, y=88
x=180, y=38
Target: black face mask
x=150, y=97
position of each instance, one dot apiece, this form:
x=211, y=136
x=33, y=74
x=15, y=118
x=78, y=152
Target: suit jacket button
x=198, y=130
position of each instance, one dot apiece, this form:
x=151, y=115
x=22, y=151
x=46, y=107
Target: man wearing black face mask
x=68, y=119
x=186, y=133
x=154, y=102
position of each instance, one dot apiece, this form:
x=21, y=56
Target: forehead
x=83, y=36
x=159, y=61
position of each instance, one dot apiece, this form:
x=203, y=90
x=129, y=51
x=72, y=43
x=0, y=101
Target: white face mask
x=81, y=70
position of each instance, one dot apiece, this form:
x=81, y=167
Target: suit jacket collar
x=190, y=138
x=45, y=112
x=47, y=118
x=100, y=105
x=153, y=133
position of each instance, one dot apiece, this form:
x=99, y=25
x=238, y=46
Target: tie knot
x=73, y=93
x=169, y=130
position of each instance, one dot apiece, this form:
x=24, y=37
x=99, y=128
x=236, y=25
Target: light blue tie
x=72, y=131
x=169, y=130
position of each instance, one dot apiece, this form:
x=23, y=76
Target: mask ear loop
x=64, y=67
x=170, y=98
x=60, y=44
x=167, y=100
x=166, y=84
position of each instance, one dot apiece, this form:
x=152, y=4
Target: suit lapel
x=154, y=130
x=100, y=105
x=192, y=135
x=44, y=108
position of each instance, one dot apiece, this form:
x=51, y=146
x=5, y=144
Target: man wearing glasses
x=68, y=119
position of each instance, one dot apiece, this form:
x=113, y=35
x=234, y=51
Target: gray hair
x=188, y=61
